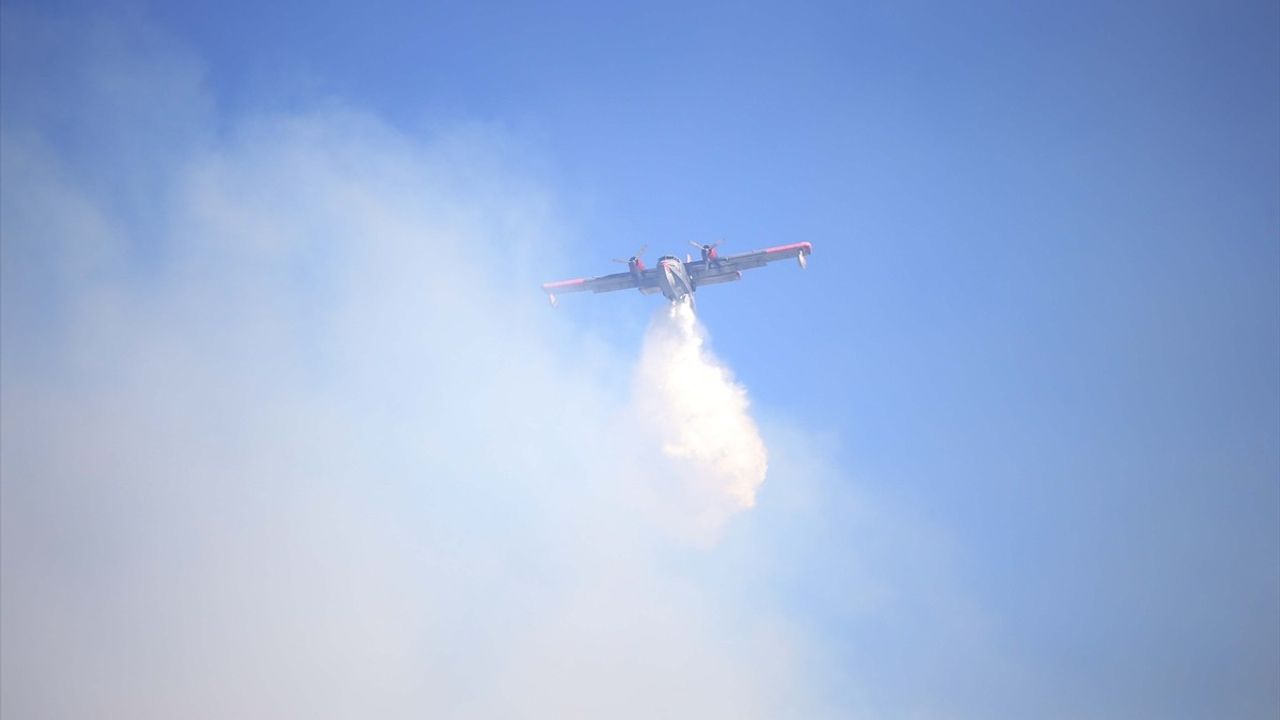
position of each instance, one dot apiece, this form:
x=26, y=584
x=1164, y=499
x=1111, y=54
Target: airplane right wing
x=758, y=258
x=729, y=268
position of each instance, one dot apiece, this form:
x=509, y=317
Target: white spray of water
x=701, y=416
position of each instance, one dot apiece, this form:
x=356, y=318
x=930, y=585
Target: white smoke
x=285, y=432
x=689, y=399
x=292, y=475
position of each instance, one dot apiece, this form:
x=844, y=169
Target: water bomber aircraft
x=677, y=279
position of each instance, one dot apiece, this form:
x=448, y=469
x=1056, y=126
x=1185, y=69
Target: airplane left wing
x=604, y=283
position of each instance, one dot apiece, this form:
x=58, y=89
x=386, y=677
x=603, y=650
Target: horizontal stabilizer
x=722, y=278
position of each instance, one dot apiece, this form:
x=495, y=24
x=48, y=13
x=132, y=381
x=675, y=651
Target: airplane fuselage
x=674, y=279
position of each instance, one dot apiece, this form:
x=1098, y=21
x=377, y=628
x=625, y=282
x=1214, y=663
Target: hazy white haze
x=288, y=431
x=318, y=463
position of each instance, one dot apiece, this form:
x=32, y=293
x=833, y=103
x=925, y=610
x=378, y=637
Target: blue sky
x=1040, y=328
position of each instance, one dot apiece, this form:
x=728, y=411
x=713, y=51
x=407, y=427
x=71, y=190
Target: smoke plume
x=278, y=441
x=688, y=398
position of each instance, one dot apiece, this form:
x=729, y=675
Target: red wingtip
x=803, y=247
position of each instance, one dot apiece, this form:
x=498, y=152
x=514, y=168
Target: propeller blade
x=620, y=260
x=640, y=252
x=696, y=244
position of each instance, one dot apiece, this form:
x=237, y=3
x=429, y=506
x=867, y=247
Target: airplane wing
x=730, y=267
x=604, y=283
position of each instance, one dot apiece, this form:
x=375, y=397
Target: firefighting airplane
x=677, y=280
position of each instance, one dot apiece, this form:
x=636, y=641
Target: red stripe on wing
x=563, y=283
x=806, y=247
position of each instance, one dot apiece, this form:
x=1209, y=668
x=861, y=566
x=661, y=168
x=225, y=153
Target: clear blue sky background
x=1043, y=309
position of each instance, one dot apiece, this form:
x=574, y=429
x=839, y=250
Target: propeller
x=709, y=254
x=637, y=256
